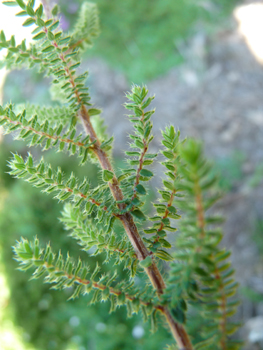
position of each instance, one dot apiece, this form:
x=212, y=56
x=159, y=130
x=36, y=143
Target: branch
x=42, y=175
x=141, y=251
x=66, y=273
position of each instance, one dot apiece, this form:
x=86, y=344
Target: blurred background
x=203, y=60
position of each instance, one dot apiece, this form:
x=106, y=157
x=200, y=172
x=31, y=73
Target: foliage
x=45, y=315
x=230, y=169
x=257, y=234
x=200, y=275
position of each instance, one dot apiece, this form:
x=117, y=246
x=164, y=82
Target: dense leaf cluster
x=200, y=274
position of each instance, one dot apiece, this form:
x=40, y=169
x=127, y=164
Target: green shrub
x=109, y=221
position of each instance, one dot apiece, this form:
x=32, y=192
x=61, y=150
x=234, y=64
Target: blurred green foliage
x=140, y=37
x=258, y=235
x=229, y=170
x=257, y=177
x=252, y=295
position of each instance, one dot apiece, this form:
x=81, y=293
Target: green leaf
x=150, y=156
x=54, y=26
x=179, y=314
x=136, y=202
x=107, y=144
x=21, y=14
x=30, y=11
x=48, y=48
x=13, y=41
x=165, y=243
x=147, y=102
x=29, y=22
x=147, y=262
x=170, y=228
x=167, y=144
x=172, y=209
x=107, y=175
x=133, y=154
x=168, y=185
x=166, y=195
x=39, y=36
x=138, y=214
x=94, y=111
x=168, y=154
x=65, y=41
x=39, y=11
x=9, y=3
x=162, y=254
x=139, y=144
x=50, y=35
x=140, y=189
x=201, y=272
x=75, y=66
x=146, y=173
x=2, y=36
x=138, y=111
x=54, y=11
x=21, y=4
x=13, y=49
x=150, y=230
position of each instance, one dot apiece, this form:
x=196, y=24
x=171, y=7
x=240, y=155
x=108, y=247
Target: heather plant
x=178, y=272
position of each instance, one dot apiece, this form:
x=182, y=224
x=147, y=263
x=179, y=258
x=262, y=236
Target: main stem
x=141, y=251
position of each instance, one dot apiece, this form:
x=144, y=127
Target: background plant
x=204, y=266
x=133, y=25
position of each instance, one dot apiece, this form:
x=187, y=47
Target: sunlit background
x=203, y=60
